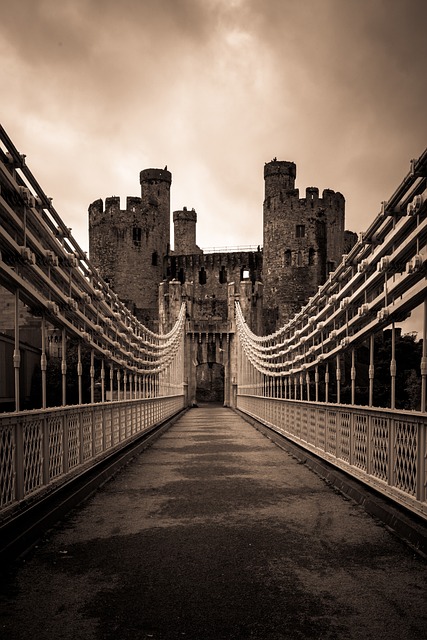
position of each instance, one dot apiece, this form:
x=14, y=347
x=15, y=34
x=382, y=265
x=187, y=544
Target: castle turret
x=184, y=223
x=129, y=245
x=303, y=241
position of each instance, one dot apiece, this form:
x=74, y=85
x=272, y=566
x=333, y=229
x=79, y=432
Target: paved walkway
x=214, y=533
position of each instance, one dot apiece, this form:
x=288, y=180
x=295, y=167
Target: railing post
x=118, y=385
x=371, y=370
x=43, y=361
x=17, y=354
x=391, y=450
x=393, y=367
x=316, y=381
x=338, y=376
x=353, y=377
x=125, y=385
x=102, y=380
x=79, y=371
x=92, y=376
x=327, y=382
x=424, y=361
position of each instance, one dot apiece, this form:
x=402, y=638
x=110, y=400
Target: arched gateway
x=210, y=383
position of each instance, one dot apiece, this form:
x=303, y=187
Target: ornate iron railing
x=40, y=450
x=380, y=282
x=382, y=448
x=48, y=286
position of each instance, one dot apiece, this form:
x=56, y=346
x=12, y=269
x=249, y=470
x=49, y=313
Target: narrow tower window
x=181, y=276
x=244, y=273
x=300, y=231
x=154, y=259
x=311, y=253
x=288, y=258
x=299, y=259
x=202, y=276
x=136, y=236
x=223, y=275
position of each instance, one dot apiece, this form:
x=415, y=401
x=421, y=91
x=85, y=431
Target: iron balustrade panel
x=304, y=423
x=74, y=443
x=405, y=448
x=87, y=436
x=312, y=422
x=40, y=449
x=56, y=444
x=99, y=414
x=7, y=465
x=128, y=421
x=331, y=432
x=385, y=449
x=115, y=414
x=380, y=431
x=321, y=428
x=360, y=440
x=32, y=450
x=344, y=431
x=108, y=427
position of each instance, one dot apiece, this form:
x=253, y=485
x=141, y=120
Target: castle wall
x=205, y=279
x=128, y=245
x=303, y=241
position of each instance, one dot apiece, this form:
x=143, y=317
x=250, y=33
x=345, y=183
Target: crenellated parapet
x=128, y=245
x=303, y=240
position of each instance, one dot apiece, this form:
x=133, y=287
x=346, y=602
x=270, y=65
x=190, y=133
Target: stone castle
x=304, y=239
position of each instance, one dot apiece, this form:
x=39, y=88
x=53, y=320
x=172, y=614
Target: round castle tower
x=303, y=242
x=184, y=224
x=128, y=245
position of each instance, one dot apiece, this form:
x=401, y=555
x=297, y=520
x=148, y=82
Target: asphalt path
x=216, y=533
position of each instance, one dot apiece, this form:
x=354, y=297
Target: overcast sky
x=94, y=91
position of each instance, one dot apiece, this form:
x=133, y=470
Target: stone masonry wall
x=128, y=245
x=303, y=241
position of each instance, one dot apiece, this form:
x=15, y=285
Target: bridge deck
x=216, y=533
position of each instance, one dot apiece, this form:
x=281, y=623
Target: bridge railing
x=384, y=449
x=80, y=375
x=293, y=380
x=40, y=450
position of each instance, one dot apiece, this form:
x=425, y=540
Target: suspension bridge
x=289, y=384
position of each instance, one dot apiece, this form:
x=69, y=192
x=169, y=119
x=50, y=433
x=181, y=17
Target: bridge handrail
x=41, y=449
x=382, y=448
x=71, y=291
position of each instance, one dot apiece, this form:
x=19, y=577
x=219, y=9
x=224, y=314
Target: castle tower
x=303, y=242
x=128, y=246
x=184, y=223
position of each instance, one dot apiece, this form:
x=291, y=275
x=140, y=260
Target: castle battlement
x=303, y=240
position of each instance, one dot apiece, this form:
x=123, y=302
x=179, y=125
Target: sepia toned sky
x=93, y=91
